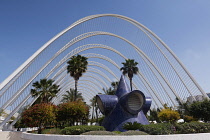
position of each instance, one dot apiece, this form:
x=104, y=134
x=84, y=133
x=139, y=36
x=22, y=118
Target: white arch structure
x=107, y=40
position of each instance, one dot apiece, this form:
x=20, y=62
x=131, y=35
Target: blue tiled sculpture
x=124, y=106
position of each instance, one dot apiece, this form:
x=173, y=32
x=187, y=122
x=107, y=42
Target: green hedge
x=166, y=128
x=77, y=130
x=99, y=133
x=114, y=133
x=193, y=127
x=158, y=129
x=133, y=133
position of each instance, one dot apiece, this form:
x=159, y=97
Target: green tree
x=69, y=97
x=183, y=108
x=95, y=109
x=130, y=68
x=200, y=110
x=109, y=91
x=112, y=89
x=39, y=115
x=2, y=113
x=77, y=65
x=115, y=85
x=45, y=90
x=154, y=115
x=71, y=112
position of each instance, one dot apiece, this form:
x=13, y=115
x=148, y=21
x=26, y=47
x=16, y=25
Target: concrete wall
x=203, y=136
x=9, y=135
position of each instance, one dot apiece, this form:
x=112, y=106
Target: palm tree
x=45, y=90
x=77, y=65
x=69, y=97
x=109, y=91
x=95, y=108
x=129, y=67
x=115, y=86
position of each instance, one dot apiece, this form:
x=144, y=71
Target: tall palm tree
x=77, y=65
x=95, y=108
x=129, y=67
x=45, y=90
x=69, y=97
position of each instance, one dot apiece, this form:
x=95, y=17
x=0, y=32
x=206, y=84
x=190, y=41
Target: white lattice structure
x=107, y=40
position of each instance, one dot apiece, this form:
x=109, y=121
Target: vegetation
x=71, y=112
x=169, y=115
x=158, y=129
x=193, y=127
x=77, y=65
x=99, y=133
x=134, y=133
x=200, y=110
x=154, y=115
x=52, y=131
x=114, y=133
x=77, y=130
x=130, y=68
x=131, y=126
x=69, y=97
x=111, y=90
x=39, y=115
x=45, y=90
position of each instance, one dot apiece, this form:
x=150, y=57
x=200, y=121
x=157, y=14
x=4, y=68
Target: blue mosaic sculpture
x=123, y=107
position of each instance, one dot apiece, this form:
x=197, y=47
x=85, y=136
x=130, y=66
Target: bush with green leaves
x=134, y=133
x=114, y=133
x=193, y=127
x=77, y=130
x=52, y=131
x=131, y=126
x=99, y=133
x=158, y=129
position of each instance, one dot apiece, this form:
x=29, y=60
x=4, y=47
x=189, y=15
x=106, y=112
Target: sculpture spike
x=122, y=88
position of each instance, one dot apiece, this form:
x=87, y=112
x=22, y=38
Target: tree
x=39, y=115
x=45, y=90
x=2, y=113
x=72, y=112
x=112, y=89
x=154, y=115
x=200, y=110
x=168, y=115
x=109, y=91
x=95, y=109
x=69, y=97
x=129, y=67
x=77, y=65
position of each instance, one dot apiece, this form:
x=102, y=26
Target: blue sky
x=184, y=25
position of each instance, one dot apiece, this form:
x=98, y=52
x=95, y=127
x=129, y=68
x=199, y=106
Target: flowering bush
x=168, y=115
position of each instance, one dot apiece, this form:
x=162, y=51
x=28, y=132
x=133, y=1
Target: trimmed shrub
x=99, y=133
x=77, y=130
x=52, y=131
x=158, y=129
x=133, y=133
x=193, y=127
x=131, y=126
